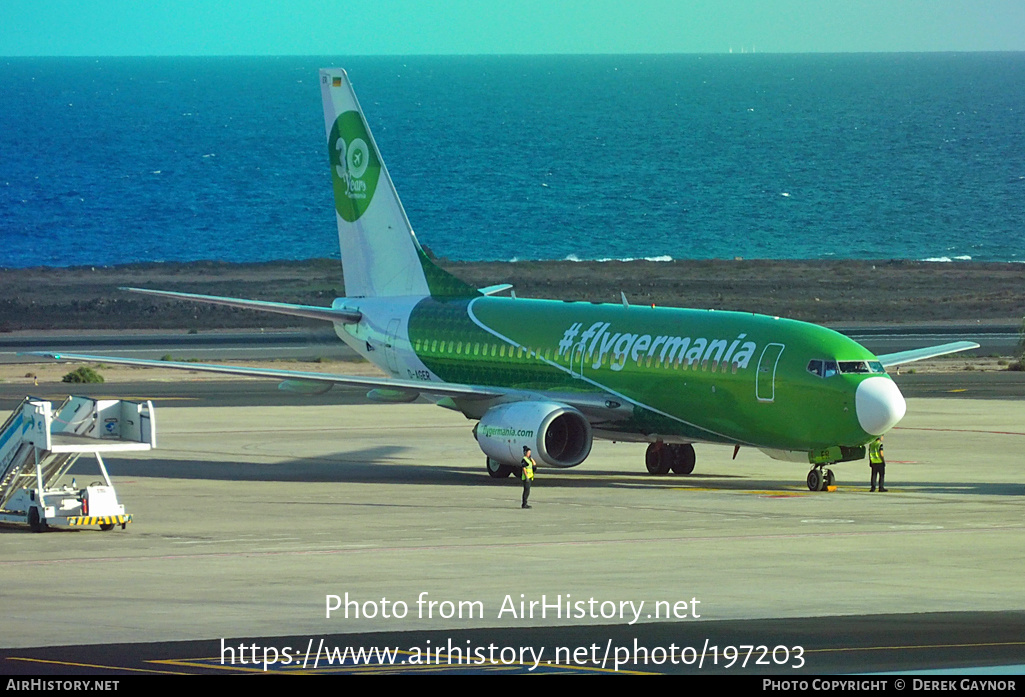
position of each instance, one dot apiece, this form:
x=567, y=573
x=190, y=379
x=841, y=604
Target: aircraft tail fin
x=380, y=253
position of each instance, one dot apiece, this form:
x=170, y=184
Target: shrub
x=83, y=374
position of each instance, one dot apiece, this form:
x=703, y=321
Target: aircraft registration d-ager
x=556, y=375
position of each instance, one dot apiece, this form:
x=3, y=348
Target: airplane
x=554, y=375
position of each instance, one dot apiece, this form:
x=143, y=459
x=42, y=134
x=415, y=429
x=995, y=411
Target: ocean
x=107, y=161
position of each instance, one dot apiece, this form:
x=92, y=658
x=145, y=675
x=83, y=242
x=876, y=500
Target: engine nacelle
x=560, y=436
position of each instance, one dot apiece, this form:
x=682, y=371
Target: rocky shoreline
x=827, y=292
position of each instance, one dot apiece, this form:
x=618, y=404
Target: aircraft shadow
x=377, y=465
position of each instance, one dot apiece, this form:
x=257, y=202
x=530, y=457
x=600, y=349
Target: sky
x=414, y=27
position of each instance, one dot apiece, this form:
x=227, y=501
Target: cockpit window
x=827, y=369
x=824, y=369
x=861, y=367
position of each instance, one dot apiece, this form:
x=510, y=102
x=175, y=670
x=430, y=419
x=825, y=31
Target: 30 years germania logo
x=355, y=167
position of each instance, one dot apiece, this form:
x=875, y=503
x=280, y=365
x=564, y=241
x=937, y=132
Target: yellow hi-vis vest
x=875, y=452
x=528, y=465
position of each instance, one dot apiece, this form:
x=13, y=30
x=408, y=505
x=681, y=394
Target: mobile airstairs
x=38, y=446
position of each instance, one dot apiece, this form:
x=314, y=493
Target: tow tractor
x=39, y=445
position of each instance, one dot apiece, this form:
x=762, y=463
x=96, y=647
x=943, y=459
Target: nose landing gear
x=819, y=479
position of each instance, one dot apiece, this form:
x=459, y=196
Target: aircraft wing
x=597, y=407
x=311, y=311
x=444, y=389
x=890, y=359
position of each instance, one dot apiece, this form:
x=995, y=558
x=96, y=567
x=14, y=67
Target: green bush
x=83, y=374
x=1017, y=366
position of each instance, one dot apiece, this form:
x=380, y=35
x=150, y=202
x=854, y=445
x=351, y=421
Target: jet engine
x=559, y=435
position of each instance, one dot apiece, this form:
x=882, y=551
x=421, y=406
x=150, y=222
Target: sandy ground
x=826, y=292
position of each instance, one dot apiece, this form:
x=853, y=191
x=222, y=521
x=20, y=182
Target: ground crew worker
x=527, y=468
x=877, y=462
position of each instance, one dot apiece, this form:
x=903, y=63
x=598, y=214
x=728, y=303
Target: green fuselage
x=692, y=375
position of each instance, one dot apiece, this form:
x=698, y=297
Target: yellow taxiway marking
x=297, y=668
x=918, y=646
x=94, y=665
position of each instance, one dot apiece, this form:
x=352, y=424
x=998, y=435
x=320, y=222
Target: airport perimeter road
x=249, y=520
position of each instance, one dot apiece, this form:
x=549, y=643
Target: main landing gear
x=662, y=457
x=819, y=478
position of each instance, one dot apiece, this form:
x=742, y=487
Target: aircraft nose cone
x=879, y=405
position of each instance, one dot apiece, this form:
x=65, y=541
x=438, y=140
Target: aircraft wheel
x=105, y=527
x=496, y=469
x=683, y=458
x=815, y=480
x=35, y=522
x=657, y=458
x=830, y=479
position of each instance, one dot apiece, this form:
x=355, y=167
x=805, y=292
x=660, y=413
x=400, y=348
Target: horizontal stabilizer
x=329, y=314
x=921, y=354
x=497, y=288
